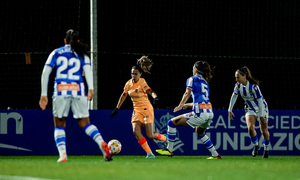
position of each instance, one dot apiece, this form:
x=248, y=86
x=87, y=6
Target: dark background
x=263, y=35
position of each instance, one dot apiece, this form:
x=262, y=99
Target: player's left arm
x=154, y=96
x=151, y=93
x=259, y=99
x=184, y=99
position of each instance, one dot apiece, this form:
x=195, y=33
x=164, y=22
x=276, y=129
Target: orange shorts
x=145, y=115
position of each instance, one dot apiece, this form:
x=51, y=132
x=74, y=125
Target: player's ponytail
x=145, y=63
x=72, y=38
x=204, y=69
x=245, y=71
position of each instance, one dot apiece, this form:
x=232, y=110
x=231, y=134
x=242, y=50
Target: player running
x=70, y=62
x=255, y=106
x=202, y=114
x=143, y=114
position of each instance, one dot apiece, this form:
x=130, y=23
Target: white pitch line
x=6, y=177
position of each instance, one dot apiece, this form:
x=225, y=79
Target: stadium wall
x=30, y=132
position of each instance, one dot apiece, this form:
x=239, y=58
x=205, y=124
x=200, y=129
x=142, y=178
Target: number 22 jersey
x=69, y=70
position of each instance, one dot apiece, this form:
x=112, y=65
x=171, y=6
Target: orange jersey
x=138, y=93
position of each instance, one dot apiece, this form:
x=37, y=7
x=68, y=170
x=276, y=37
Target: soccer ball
x=115, y=146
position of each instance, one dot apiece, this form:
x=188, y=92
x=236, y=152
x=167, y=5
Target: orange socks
x=144, y=144
x=161, y=137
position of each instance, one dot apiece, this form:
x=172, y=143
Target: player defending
x=255, y=106
x=70, y=62
x=202, y=114
x=143, y=113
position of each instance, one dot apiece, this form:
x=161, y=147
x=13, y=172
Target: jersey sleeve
x=126, y=88
x=45, y=80
x=236, y=89
x=145, y=86
x=86, y=60
x=51, y=59
x=232, y=101
x=189, y=83
x=256, y=92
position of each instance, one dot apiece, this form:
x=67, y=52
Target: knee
x=251, y=128
x=171, y=124
x=200, y=131
x=82, y=122
x=265, y=132
x=150, y=135
x=135, y=131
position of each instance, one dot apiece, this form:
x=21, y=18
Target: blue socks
x=171, y=133
x=266, y=144
x=92, y=131
x=209, y=145
x=60, y=140
x=254, y=140
x=60, y=137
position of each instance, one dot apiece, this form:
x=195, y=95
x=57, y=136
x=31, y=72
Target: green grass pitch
x=137, y=167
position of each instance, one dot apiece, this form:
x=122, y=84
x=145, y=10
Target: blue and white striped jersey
x=250, y=93
x=69, y=70
x=200, y=94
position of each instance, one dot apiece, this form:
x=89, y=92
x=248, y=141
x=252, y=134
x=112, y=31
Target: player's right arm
x=45, y=80
x=121, y=99
x=233, y=99
x=187, y=105
x=120, y=102
x=184, y=99
x=44, y=86
x=231, y=104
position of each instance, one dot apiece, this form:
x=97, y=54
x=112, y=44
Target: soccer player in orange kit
x=143, y=113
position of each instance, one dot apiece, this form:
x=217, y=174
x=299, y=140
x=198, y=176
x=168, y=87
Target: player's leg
x=137, y=131
x=251, y=120
x=149, y=120
x=81, y=113
x=61, y=107
x=266, y=138
x=207, y=143
x=153, y=135
x=171, y=133
x=60, y=138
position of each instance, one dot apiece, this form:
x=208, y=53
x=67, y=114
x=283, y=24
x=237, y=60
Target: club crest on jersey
x=136, y=90
x=161, y=126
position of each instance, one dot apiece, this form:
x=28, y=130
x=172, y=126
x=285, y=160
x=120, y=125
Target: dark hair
x=72, y=37
x=204, y=69
x=245, y=71
x=137, y=67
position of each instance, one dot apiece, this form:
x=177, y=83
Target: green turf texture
x=161, y=168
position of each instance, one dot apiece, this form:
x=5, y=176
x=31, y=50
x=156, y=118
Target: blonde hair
x=145, y=63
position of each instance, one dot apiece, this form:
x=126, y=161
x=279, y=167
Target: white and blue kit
x=202, y=113
x=69, y=89
x=255, y=104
